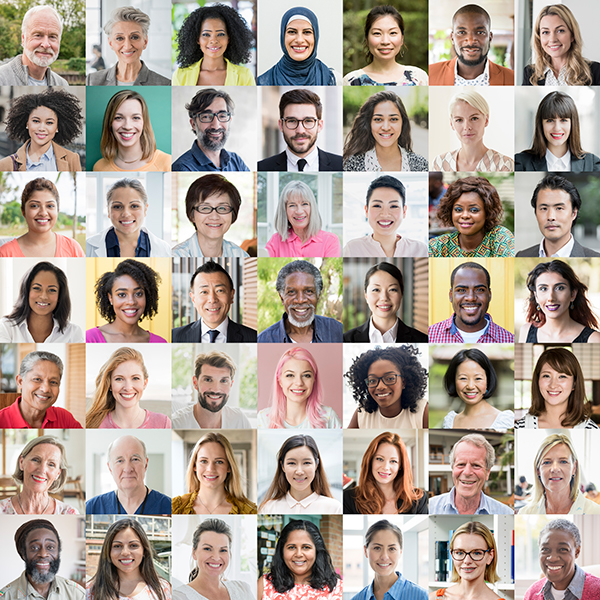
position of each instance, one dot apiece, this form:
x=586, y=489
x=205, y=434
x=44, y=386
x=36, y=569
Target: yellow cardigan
x=236, y=75
x=184, y=505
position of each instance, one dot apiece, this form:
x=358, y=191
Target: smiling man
x=213, y=380
x=471, y=38
x=299, y=285
x=470, y=295
x=39, y=545
x=471, y=459
x=128, y=463
x=210, y=113
x=556, y=203
x=300, y=121
x=212, y=293
x=41, y=29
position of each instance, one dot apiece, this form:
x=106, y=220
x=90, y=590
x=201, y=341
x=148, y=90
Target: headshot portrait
x=305, y=58
x=299, y=215
x=128, y=130
x=385, y=215
x=118, y=220
x=455, y=59
x=115, y=47
x=214, y=386
x=472, y=387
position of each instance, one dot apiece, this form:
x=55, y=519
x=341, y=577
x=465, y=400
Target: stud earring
x=537, y=307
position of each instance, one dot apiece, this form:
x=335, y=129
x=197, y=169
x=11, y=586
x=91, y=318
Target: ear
x=491, y=36
x=366, y=211
x=145, y=383
x=281, y=298
x=195, y=382
x=365, y=551
x=320, y=126
x=19, y=381
x=193, y=124
x=280, y=125
x=577, y=551
x=490, y=556
x=575, y=213
x=452, y=124
x=404, y=211
x=573, y=295
x=487, y=120
x=145, y=43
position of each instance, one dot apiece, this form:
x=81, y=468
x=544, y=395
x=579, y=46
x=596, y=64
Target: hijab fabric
x=292, y=72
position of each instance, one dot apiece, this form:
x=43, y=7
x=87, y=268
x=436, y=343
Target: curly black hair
x=66, y=106
x=405, y=358
x=142, y=274
x=240, y=42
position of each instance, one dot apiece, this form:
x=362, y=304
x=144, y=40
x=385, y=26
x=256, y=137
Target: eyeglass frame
x=469, y=554
x=227, y=113
x=396, y=375
x=285, y=121
x=215, y=208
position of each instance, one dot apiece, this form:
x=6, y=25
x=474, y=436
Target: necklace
x=128, y=162
x=21, y=506
x=210, y=512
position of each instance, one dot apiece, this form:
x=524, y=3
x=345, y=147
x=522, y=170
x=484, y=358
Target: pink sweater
x=152, y=421
x=323, y=244
x=65, y=248
x=591, y=589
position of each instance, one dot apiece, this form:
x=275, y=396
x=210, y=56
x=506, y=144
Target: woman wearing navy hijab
x=299, y=64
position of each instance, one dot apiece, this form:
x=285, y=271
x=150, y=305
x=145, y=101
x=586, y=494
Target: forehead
x=468, y=541
x=382, y=278
x=130, y=106
x=469, y=199
x=385, y=194
x=552, y=21
x=470, y=277
x=44, y=20
x=469, y=366
x=462, y=108
x=41, y=535
x=125, y=194
x=299, y=453
x=213, y=24
x=128, y=446
x=41, y=196
x=204, y=280
x=296, y=198
x=217, y=105
x=296, y=365
x=299, y=536
x=388, y=450
x=44, y=368
x=300, y=111
x=386, y=108
x=558, y=450
x=126, y=535
x=470, y=21
x=48, y=450
x=125, y=282
x=550, y=278
x=216, y=372
x=43, y=112
x=300, y=280
x=469, y=452
x=382, y=366
x=126, y=27
x=45, y=278
x=212, y=449
x=551, y=197
x=385, y=537
x=300, y=24
x=385, y=22
x=557, y=537
x=129, y=367
x=214, y=539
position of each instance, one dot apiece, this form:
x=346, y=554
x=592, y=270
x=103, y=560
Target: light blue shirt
x=401, y=590
x=444, y=505
x=47, y=161
x=191, y=247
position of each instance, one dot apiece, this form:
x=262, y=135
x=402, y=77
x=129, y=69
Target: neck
x=210, y=247
x=384, y=324
x=36, y=72
x=388, y=491
x=558, y=503
x=552, y=247
x=557, y=328
x=470, y=72
x=554, y=414
x=34, y=418
x=128, y=238
x=41, y=323
x=214, y=155
x=558, y=64
x=471, y=590
x=33, y=503
x=383, y=65
x=42, y=589
x=131, y=499
x=559, y=151
x=213, y=64
x=128, y=72
x=300, y=494
x=476, y=410
x=388, y=152
x=296, y=332
x=469, y=243
x=39, y=239
x=207, y=582
x=295, y=413
x=127, y=578
x=128, y=418
x=130, y=154
x=391, y=411
x=207, y=419
x=125, y=329
x=472, y=153
x=467, y=506
x=35, y=149
x=387, y=242
x=382, y=583
x=212, y=497
x=302, y=233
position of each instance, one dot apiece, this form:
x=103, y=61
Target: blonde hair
x=57, y=484
x=104, y=401
x=550, y=442
x=296, y=190
x=578, y=69
x=472, y=98
x=477, y=528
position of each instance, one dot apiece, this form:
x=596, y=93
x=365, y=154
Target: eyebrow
x=292, y=371
x=216, y=457
x=124, y=289
x=132, y=456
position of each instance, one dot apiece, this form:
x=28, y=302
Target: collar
x=551, y=79
x=575, y=587
x=558, y=164
x=562, y=252
x=376, y=337
x=395, y=592
x=113, y=248
x=221, y=328
x=204, y=160
x=288, y=339
x=483, y=79
x=481, y=509
x=47, y=157
x=312, y=159
x=18, y=422
x=26, y=334
x=454, y=328
x=292, y=502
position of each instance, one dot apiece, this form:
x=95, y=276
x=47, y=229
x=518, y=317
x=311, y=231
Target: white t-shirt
x=332, y=421
x=231, y=418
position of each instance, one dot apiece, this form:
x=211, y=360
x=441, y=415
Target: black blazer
x=327, y=162
x=419, y=507
x=594, y=68
x=404, y=334
x=525, y=161
x=193, y=333
x=578, y=250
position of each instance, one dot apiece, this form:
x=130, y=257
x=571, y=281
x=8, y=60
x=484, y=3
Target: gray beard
x=36, y=577
x=210, y=144
x=214, y=408
x=306, y=323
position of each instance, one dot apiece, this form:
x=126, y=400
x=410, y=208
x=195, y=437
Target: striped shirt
x=530, y=422
x=401, y=590
x=446, y=332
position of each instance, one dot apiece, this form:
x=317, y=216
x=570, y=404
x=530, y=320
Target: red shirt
x=55, y=418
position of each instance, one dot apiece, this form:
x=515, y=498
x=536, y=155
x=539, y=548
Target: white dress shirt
x=562, y=252
x=312, y=160
x=553, y=163
x=313, y=504
x=376, y=337
x=222, y=329
x=9, y=332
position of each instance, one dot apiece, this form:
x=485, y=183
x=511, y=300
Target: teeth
x=39, y=479
x=552, y=568
x=127, y=561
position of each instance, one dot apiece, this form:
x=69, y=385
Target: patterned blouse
x=411, y=76
x=499, y=242
x=491, y=161
x=411, y=161
x=301, y=591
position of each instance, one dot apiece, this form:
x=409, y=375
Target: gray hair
x=36, y=9
x=127, y=13
x=296, y=190
x=477, y=440
x=45, y=439
x=562, y=525
x=32, y=358
x=299, y=266
x=110, y=446
x=126, y=182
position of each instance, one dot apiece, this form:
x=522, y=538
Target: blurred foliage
x=589, y=213
x=182, y=358
x=248, y=390
x=11, y=214
x=353, y=317
x=330, y=302
x=414, y=14
x=497, y=54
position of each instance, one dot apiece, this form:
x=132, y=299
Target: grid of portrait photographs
x=299, y=300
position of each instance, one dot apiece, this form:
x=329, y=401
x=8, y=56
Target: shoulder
x=595, y=69
x=531, y=251
x=65, y=418
x=445, y=162
x=156, y=339
x=69, y=246
x=417, y=162
x=182, y=505
x=100, y=503
x=156, y=79
x=438, y=245
x=332, y=421
x=233, y=250
x=502, y=242
x=187, y=75
x=98, y=77
x=11, y=249
x=438, y=70
x=264, y=417
x=504, y=420
x=356, y=162
x=239, y=587
x=161, y=161
x=104, y=165
x=186, y=248
x=501, y=75
x=162, y=501
x=527, y=73
x=449, y=420
x=356, y=247
x=94, y=335
x=277, y=162
x=243, y=75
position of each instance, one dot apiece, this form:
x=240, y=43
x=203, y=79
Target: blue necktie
x=213, y=333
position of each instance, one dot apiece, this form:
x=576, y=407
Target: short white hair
x=471, y=97
x=36, y=9
x=296, y=189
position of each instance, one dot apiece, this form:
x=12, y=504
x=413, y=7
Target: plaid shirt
x=446, y=332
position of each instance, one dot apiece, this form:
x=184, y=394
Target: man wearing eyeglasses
x=210, y=113
x=300, y=122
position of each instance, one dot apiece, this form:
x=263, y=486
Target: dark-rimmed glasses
x=206, y=209
x=476, y=555
x=389, y=379
x=307, y=123
x=208, y=117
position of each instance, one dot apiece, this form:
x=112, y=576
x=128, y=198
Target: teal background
x=156, y=97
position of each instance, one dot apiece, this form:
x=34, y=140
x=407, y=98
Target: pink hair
x=279, y=401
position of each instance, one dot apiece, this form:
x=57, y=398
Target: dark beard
x=210, y=144
x=36, y=577
x=212, y=407
x=471, y=63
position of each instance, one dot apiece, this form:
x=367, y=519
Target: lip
x=463, y=225
x=126, y=136
x=39, y=479
x=213, y=565
x=470, y=309
x=384, y=307
x=126, y=561
x=130, y=312
x=128, y=396
x=299, y=49
x=470, y=395
x=126, y=223
x=557, y=136
x=385, y=224
x=42, y=398
x=384, y=475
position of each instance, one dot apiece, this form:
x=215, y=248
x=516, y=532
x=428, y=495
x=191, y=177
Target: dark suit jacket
x=594, y=68
x=404, y=334
x=525, y=161
x=578, y=250
x=327, y=162
x=193, y=333
x=442, y=73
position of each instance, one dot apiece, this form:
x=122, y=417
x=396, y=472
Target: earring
x=572, y=306
x=537, y=307
x=402, y=51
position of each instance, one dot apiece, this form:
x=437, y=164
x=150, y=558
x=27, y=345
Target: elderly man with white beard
x=39, y=545
x=41, y=30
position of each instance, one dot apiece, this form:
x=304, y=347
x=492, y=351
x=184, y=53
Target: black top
x=327, y=162
x=419, y=507
x=404, y=334
x=236, y=332
x=582, y=338
x=594, y=68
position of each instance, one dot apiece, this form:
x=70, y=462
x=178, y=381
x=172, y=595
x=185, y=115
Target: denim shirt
x=401, y=590
x=325, y=330
x=195, y=160
x=444, y=504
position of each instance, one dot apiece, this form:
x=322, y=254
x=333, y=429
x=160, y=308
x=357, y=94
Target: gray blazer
x=14, y=72
x=109, y=77
x=578, y=250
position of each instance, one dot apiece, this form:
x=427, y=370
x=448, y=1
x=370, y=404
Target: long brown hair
x=369, y=499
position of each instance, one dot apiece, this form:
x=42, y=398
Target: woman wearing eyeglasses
x=474, y=559
x=212, y=204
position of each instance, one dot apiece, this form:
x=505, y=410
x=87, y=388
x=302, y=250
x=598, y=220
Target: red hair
x=369, y=498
